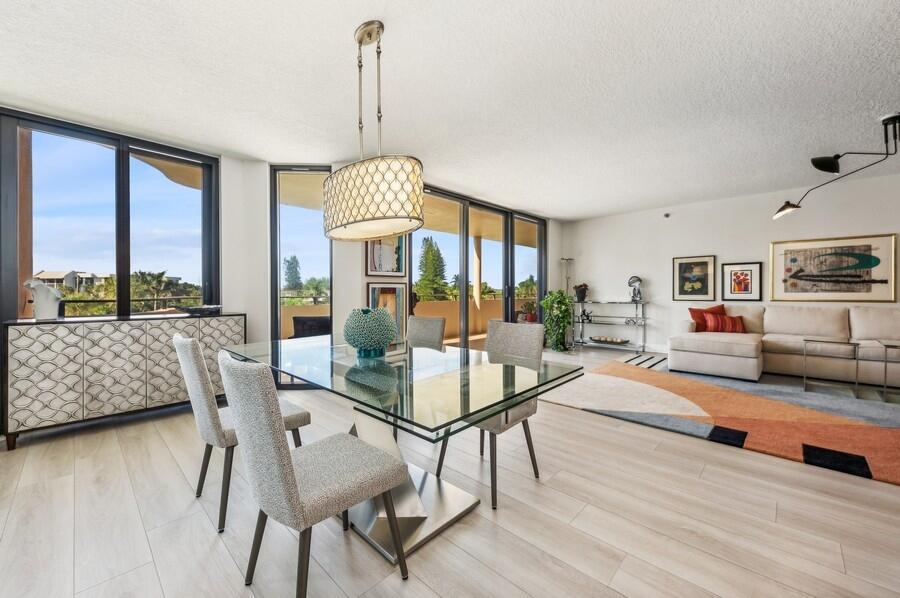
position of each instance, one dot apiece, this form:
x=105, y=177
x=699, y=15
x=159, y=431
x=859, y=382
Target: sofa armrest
x=685, y=326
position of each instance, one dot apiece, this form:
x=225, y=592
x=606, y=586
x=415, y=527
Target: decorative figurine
x=635, y=283
x=45, y=299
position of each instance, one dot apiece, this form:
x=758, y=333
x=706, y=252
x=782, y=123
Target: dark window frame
x=509, y=216
x=275, y=261
x=11, y=120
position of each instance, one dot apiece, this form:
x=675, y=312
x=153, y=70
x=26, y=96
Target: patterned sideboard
x=62, y=372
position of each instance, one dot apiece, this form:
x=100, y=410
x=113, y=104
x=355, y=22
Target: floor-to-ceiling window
x=301, y=254
x=117, y=225
x=435, y=272
x=486, y=259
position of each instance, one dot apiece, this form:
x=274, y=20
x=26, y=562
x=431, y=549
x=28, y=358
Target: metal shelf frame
x=637, y=320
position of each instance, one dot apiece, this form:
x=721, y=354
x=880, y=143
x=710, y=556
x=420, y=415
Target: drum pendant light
x=374, y=197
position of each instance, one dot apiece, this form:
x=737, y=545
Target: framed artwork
x=742, y=281
x=386, y=257
x=694, y=278
x=392, y=297
x=837, y=269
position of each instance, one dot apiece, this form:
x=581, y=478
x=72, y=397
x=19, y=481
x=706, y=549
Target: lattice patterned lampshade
x=374, y=198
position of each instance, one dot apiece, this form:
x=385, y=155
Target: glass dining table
x=431, y=394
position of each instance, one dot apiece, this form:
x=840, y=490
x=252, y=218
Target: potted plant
x=530, y=310
x=557, y=318
x=581, y=292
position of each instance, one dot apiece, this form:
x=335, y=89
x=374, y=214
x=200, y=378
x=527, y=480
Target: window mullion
x=123, y=230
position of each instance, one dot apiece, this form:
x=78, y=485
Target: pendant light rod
x=378, y=79
x=359, y=67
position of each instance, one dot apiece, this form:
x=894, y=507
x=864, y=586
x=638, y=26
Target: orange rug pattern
x=775, y=427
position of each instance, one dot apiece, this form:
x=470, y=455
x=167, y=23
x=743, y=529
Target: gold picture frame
x=837, y=283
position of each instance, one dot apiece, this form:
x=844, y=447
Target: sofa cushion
x=719, y=343
x=872, y=350
x=752, y=315
x=875, y=322
x=807, y=320
x=792, y=344
x=697, y=315
x=720, y=323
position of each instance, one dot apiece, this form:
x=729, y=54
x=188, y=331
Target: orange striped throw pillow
x=720, y=323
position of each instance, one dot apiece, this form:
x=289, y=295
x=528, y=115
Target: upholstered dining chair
x=302, y=487
x=215, y=425
x=426, y=332
x=511, y=344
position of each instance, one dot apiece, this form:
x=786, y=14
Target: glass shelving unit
x=585, y=315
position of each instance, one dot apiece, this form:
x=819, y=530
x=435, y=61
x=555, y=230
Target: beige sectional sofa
x=774, y=343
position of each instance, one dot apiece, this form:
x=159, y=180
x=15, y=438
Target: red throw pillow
x=697, y=315
x=720, y=323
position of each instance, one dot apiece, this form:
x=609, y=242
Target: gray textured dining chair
x=302, y=487
x=519, y=344
x=425, y=332
x=215, y=425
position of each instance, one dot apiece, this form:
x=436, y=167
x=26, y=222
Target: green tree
x=147, y=285
x=317, y=288
x=527, y=288
x=292, y=280
x=432, y=283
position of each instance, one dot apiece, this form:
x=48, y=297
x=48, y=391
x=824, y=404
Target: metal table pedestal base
x=444, y=503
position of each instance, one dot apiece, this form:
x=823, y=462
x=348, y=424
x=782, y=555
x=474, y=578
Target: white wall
x=608, y=250
x=244, y=222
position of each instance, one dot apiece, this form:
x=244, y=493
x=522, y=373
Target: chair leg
x=226, y=486
x=345, y=519
x=395, y=532
x=303, y=562
x=207, y=453
x=530, y=448
x=492, y=438
x=296, y=434
x=254, y=550
x=481, y=443
x=440, y=466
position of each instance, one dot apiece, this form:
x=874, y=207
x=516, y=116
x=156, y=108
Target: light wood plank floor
x=620, y=510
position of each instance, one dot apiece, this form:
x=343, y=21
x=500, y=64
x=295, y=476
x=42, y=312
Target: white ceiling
x=566, y=109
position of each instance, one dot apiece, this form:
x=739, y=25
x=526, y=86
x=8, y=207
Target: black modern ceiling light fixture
x=832, y=164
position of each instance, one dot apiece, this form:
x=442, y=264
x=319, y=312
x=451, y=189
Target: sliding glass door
x=487, y=273
x=526, y=275
x=435, y=272
x=492, y=257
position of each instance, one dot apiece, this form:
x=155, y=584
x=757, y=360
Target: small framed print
x=694, y=278
x=392, y=297
x=742, y=281
x=386, y=257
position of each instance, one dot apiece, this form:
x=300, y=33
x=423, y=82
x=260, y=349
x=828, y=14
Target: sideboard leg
x=11, y=441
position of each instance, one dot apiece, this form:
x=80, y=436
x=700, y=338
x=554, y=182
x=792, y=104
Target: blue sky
x=74, y=221
x=74, y=212
x=303, y=235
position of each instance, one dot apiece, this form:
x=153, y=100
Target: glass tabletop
x=426, y=392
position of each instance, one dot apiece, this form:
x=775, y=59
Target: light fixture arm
x=884, y=156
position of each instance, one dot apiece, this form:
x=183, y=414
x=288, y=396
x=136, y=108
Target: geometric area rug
x=853, y=436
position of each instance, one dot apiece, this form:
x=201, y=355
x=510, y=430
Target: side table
x=855, y=346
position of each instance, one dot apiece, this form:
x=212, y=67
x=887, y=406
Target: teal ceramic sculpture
x=370, y=331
